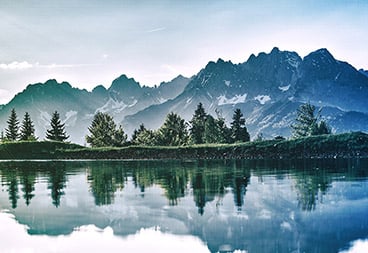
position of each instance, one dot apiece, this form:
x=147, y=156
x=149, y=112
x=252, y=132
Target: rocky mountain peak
x=320, y=57
x=125, y=87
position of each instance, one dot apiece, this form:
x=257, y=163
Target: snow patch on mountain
x=293, y=62
x=222, y=100
x=262, y=99
x=284, y=88
x=71, y=118
x=112, y=104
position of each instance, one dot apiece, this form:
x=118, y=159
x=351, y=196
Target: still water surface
x=196, y=206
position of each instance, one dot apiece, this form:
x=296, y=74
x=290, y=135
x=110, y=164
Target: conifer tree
x=306, y=122
x=239, y=132
x=11, y=132
x=119, y=137
x=198, y=122
x=173, y=132
x=104, y=133
x=27, y=129
x=57, y=130
x=224, y=133
x=143, y=136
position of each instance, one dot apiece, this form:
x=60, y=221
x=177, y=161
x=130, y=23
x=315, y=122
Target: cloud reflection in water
x=89, y=238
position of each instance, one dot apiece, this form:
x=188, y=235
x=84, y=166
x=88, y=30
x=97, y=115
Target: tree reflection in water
x=205, y=180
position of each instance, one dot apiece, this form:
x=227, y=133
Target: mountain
x=77, y=107
x=269, y=88
x=364, y=72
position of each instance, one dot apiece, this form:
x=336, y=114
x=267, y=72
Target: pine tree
x=173, y=132
x=239, y=132
x=57, y=130
x=306, y=122
x=104, y=133
x=119, y=137
x=137, y=132
x=143, y=136
x=224, y=133
x=27, y=129
x=198, y=122
x=11, y=132
x=210, y=131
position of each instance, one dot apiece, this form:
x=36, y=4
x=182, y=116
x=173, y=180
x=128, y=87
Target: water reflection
x=92, y=239
x=206, y=180
x=255, y=206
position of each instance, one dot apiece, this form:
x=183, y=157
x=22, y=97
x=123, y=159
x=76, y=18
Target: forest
x=203, y=128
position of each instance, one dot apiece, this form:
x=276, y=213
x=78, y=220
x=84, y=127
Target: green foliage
x=34, y=149
x=322, y=146
x=173, y=132
x=57, y=130
x=119, y=137
x=144, y=137
x=11, y=132
x=216, y=131
x=27, y=130
x=306, y=122
x=198, y=122
x=239, y=132
x=104, y=133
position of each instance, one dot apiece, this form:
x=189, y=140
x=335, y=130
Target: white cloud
x=16, y=65
x=89, y=238
x=156, y=30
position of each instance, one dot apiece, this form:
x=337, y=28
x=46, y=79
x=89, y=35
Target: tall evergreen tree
x=224, y=133
x=173, y=132
x=27, y=129
x=11, y=132
x=104, y=133
x=211, y=133
x=57, y=130
x=137, y=132
x=119, y=137
x=198, y=122
x=143, y=136
x=239, y=132
x=306, y=122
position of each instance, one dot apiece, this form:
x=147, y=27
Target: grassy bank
x=34, y=149
x=324, y=146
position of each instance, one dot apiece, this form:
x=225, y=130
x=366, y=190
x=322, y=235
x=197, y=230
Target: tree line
x=175, y=131
x=26, y=131
x=203, y=128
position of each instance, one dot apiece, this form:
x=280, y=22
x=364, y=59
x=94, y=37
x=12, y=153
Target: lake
x=192, y=206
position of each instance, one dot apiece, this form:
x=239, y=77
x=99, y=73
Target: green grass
x=34, y=149
x=323, y=146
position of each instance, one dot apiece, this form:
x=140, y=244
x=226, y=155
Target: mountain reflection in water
x=253, y=206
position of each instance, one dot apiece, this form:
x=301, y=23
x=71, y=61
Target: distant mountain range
x=268, y=88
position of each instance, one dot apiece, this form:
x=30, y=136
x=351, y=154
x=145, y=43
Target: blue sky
x=88, y=43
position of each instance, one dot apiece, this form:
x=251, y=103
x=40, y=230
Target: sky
x=90, y=42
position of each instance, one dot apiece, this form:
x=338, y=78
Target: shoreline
x=348, y=145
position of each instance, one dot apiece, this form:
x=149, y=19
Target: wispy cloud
x=158, y=29
x=54, y=65
x=16, y=65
